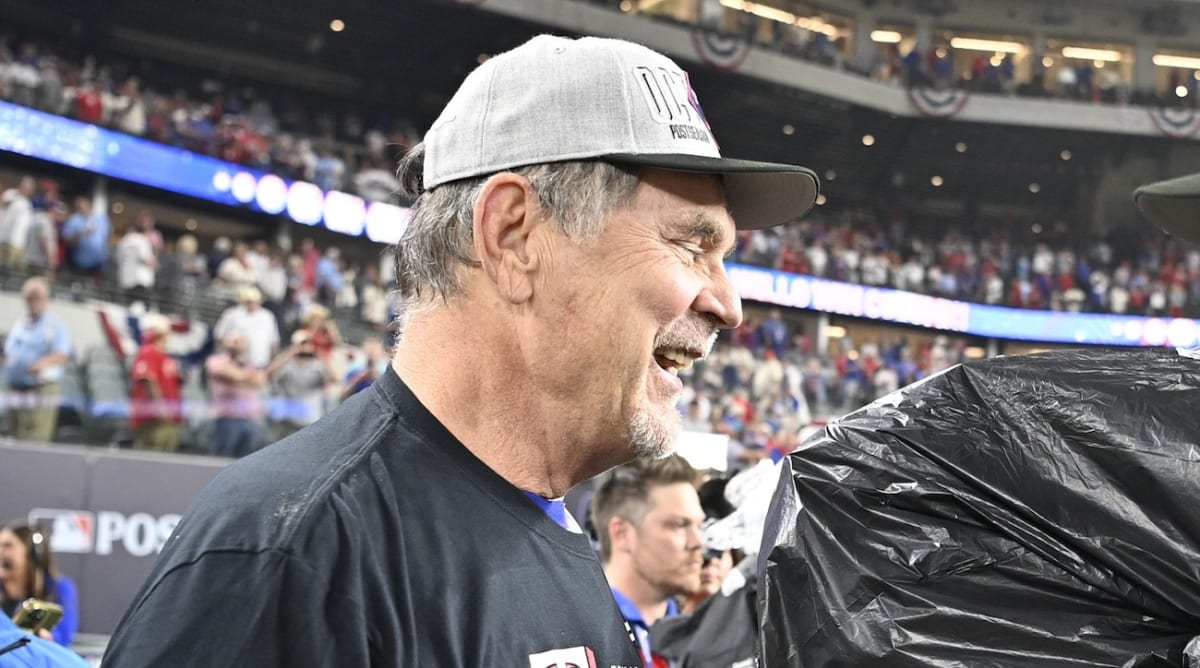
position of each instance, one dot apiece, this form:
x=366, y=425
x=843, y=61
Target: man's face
x=627, y=310
x=35, y=302
x=666, y=547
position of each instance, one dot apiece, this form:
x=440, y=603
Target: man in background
x=16, y=219
x=86, y=233
x=300, y=377
x=156, y=410
x=35, y=354
x=647, y=516
x=235, y=391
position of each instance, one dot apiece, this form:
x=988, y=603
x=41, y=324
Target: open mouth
x=673, y=360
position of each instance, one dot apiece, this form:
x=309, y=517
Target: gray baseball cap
x=556, y=99
x=1173, y=205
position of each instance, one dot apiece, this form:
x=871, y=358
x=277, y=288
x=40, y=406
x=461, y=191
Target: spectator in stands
x=237, y=271
x=258, y=327
x=35, y=352
x=300, y=376
x=192, y=270
x=322, y=331
x=373, y=298
x=86, y=234
x=647, y=517
x=149, y=227
x=136, y=263
x=156, y=410
x=16, y=220
x=41, y=247
x=370, y=367
x=548, y=307
x=273, y=281
x=27, y=571
x=235, y=395
x=329, y=276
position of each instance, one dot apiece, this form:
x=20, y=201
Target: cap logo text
x=666, y=93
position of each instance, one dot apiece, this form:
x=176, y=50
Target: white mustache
x=691, y=335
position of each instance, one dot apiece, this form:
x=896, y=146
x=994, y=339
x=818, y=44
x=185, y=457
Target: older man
x=35, y=352
x=563, y=262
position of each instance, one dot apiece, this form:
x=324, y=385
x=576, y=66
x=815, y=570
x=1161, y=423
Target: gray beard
x=651, y=438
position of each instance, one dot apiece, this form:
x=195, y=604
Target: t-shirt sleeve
x=231, y=608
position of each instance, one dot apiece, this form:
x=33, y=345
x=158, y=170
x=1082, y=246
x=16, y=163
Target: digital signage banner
x=84, y=146
x=908, y=308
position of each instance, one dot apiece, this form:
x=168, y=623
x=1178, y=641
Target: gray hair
x=438, y=242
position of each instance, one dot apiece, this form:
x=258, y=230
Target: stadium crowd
x=1151, y=275
x=760, y=388
x=940, y=65
x=1009, y=267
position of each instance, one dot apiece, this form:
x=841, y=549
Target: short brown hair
x=624, y=492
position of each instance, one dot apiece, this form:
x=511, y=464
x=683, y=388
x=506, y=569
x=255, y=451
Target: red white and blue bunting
x=938, y=103
x=1175, y=123
x=720, y=51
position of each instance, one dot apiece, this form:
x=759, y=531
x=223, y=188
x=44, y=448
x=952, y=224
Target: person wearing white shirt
x=136, y=263
x=255, y=323
x=15, y=222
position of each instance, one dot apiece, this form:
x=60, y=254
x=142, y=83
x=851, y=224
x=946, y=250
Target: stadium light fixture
x=996, y=46
x=1165, y=60
x=813, y=24
x=885, y=36
x=1084, y=53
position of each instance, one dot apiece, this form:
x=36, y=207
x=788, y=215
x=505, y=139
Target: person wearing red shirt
x=156, y=412
x=89, y=105
x=322, y=331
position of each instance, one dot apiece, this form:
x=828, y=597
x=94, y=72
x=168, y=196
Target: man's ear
x=506, y=214
x=620, y=534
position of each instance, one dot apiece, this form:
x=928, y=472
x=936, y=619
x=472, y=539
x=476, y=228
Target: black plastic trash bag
x=1031, y=511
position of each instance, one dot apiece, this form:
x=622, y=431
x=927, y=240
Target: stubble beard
x=651, y=434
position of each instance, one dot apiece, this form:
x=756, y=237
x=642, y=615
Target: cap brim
x=1173, y=205
x=759, y=194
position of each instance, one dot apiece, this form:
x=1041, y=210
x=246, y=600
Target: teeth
x=681, y=358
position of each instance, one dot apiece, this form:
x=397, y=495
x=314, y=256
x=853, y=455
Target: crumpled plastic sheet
x=1028, y=511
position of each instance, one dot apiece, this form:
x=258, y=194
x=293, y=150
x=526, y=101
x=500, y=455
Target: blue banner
x=84, y=146
x=908, y=308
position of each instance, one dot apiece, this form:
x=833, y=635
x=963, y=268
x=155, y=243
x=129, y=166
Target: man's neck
x=472, y=381
x=649, y=601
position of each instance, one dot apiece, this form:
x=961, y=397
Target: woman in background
x=27, y=571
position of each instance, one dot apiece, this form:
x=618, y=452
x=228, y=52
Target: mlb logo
x=71, y=531
x=572, y=657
